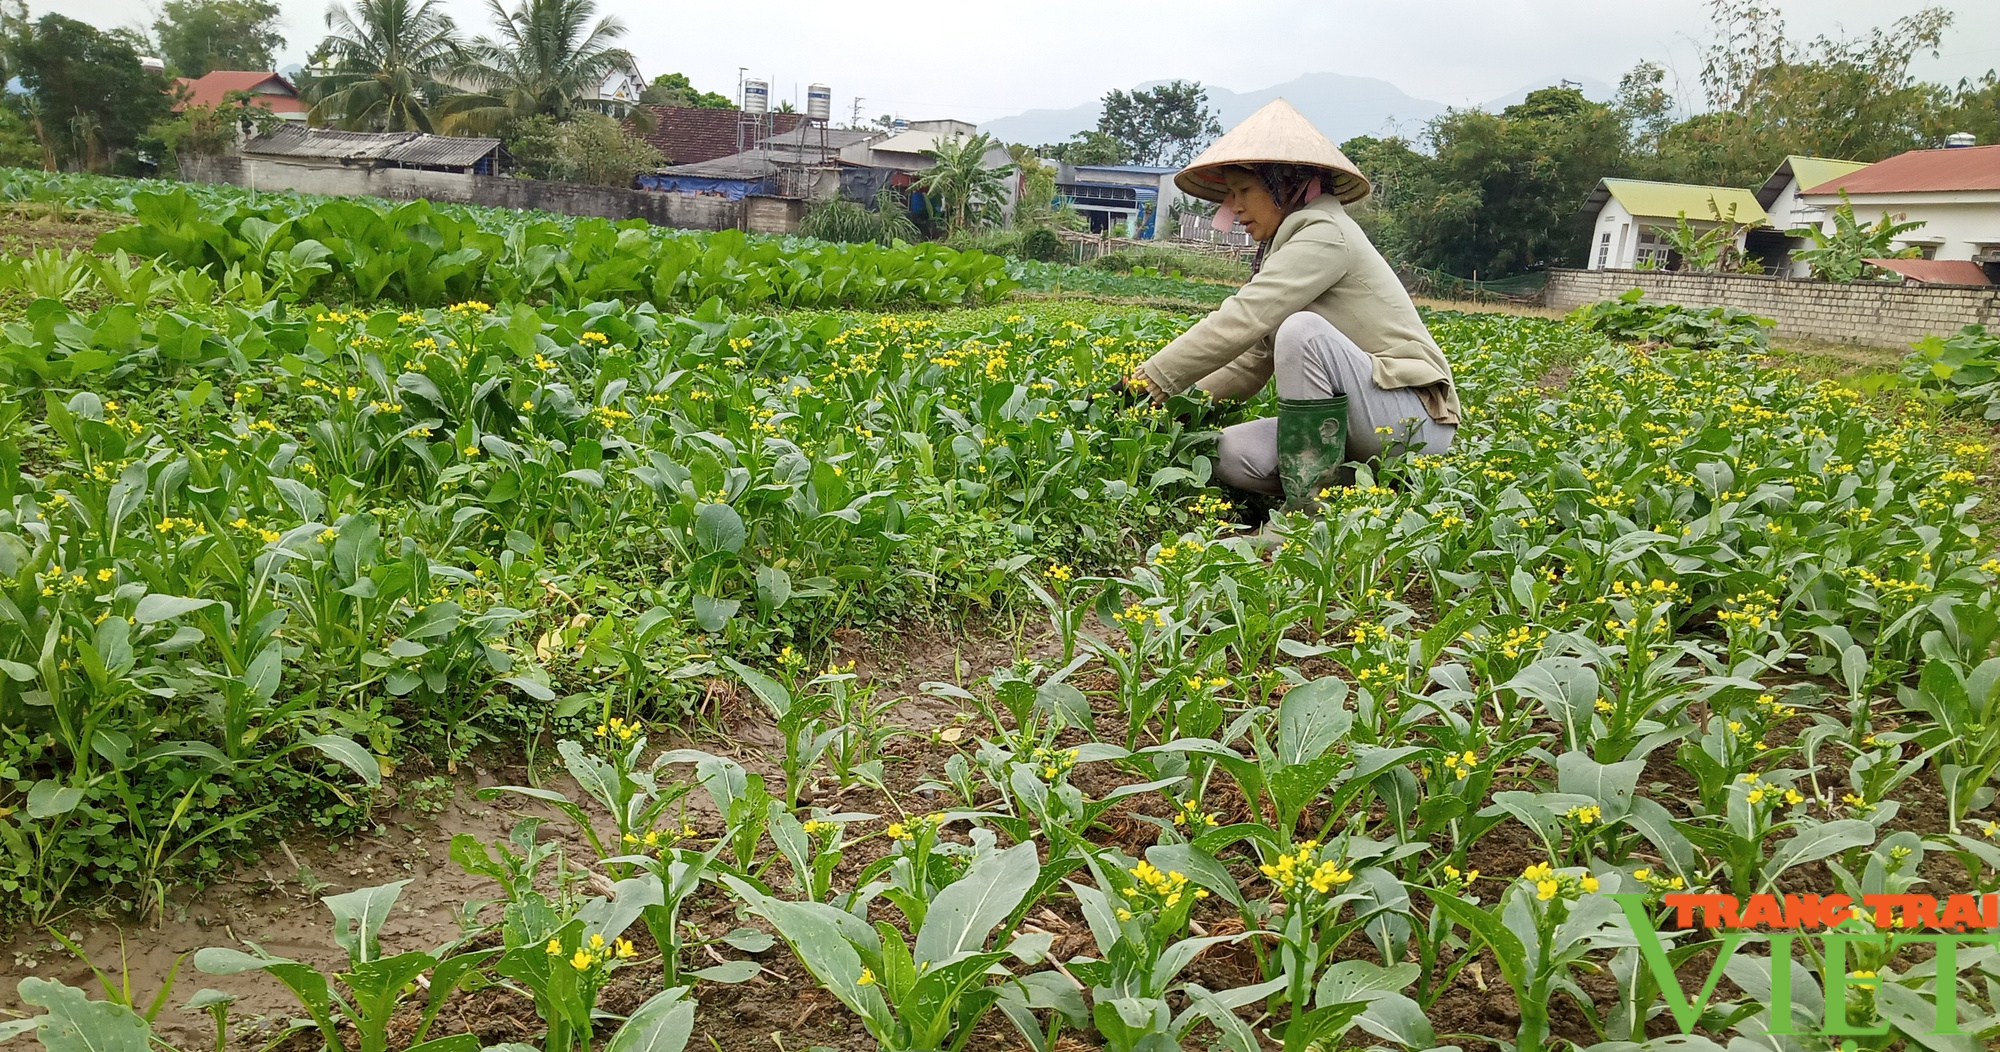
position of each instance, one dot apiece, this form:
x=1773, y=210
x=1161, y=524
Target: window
x=1652, y=254
x=1604, y=250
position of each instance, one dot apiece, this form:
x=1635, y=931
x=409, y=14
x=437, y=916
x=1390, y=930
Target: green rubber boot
x=1312, y=445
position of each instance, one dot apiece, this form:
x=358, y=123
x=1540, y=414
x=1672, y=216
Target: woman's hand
x=1137, y=383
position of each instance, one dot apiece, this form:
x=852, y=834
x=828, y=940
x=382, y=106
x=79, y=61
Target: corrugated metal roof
x=836, y=138
x=1937, y=271
x=1921, y=172
x=1809, y=171
x=1670, y=200
x=372, y=148
x=750, y=164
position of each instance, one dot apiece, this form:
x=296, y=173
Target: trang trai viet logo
x=1838, y=932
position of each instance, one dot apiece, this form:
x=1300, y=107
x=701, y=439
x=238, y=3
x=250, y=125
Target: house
x=1780, y=196
x=621, y=88
x=897, y=159
x=1954, y=192
x=268, y=90
x=691, y=134
x=1628, y=216
x=1134, y=196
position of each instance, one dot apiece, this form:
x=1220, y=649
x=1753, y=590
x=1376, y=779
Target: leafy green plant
x=356, y=1015
x=928, y=993
x=1843, y=254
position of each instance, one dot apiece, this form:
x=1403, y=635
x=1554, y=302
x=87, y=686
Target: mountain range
x=1340, y=105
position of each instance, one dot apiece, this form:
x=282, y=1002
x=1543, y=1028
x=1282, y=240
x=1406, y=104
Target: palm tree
x=549, y=58
x=959, y=184
x=383, y=59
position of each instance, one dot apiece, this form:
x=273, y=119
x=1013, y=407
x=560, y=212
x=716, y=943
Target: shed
x=332, y=147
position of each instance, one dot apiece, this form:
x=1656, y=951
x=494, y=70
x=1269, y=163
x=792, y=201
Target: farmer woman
x=1357, y=372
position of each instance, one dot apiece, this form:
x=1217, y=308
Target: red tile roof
x=273, y=92
x=1923, y=171
x=1937, y=271
x=690, y=135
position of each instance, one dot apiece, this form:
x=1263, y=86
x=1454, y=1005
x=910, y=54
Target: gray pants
x=1312, y=359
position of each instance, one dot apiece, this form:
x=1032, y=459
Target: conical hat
x=1275, y=134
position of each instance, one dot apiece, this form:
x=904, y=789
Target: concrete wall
x=686, y=211
x=1883, y=315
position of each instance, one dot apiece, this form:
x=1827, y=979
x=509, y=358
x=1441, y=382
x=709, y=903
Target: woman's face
x=1253, y=204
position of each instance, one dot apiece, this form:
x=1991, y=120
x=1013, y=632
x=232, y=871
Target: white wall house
x=621, y=88
x=1954, y=192
x=1781, y=196
x=1629, y=215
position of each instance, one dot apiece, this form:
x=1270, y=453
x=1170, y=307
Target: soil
x=272, y=900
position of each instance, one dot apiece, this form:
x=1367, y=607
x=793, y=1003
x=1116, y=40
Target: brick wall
x=1880, y=314
x=685, y=211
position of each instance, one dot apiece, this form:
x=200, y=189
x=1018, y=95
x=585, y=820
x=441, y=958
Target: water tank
x=901, y=124
x=1958, y=139
x=819, y=102
x=756, y=96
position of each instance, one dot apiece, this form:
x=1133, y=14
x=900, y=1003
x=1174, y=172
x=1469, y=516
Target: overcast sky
x=981, y=61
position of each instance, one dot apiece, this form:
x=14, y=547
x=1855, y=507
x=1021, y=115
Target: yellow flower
x=527, y=404
x=625, y=951
x=596, y=941
x=867, y=977
x=555, y=948
x=1546, y=889
x=582, y=960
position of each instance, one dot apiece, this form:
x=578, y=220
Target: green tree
x=1645, y=107
x=197, y=36
x=587, y=148
x=550, y=57
x=1975, y=108
x=1503, y=192
x=381, y=65
x=674, y=89
x=1086, y=147
x=1167, y=124
x=85, y=96
x=1397, y=172
x=958, y=186
x=1770, y=95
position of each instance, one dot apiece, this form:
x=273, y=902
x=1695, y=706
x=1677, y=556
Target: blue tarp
x=734, y=189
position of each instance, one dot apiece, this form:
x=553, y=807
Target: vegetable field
x=308, y=505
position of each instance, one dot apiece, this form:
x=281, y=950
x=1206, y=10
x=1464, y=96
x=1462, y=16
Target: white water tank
x=756, y=96
x=1959, y=140
x=819, y=102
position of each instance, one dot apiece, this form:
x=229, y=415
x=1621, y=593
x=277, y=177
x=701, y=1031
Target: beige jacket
x=1319, y=261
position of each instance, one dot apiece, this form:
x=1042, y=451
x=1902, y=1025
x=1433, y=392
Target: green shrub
x=1701, y=328
x=1964, y=367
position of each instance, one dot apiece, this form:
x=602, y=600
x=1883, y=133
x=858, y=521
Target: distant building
x=1134, y=196
x=692, y=134
x=1780, y=196
x=621, y=88
x=1628, y=216
x=268, y=90
x=897, y=159
x=1954, y=192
